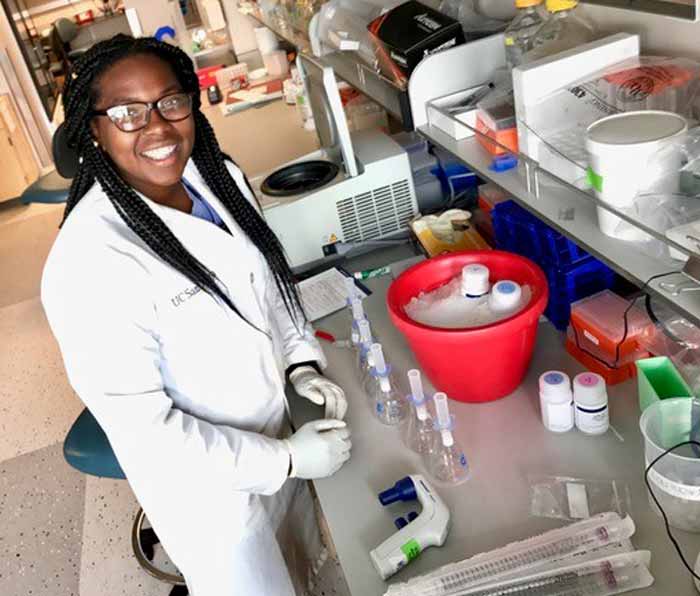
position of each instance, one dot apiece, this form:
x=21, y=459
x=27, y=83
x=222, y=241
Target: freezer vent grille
x=376, y=213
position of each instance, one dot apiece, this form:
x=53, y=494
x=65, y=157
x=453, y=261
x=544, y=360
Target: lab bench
x=505, y=442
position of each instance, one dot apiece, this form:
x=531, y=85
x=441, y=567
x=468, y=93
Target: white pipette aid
x=447, y=461
x=429, y=528
x=419, y=430
x=389, y=405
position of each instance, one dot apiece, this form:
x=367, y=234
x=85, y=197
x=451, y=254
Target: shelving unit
x=354, y=72
x=465, y=66
x=574, y=215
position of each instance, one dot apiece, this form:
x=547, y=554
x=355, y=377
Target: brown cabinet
x=18, y=168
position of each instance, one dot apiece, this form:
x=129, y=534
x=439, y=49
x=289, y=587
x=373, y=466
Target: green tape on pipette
x=411, y=549
x=595, y=180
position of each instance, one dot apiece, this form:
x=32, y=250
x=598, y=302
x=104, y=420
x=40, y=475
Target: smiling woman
x=178, y=318
x=147, y=130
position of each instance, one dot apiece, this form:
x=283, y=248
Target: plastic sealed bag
x=561, y=497
x=556, y=125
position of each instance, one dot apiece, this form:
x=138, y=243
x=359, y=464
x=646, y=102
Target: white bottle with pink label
x=591, y=404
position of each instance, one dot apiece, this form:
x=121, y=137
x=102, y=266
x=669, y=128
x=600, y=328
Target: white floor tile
x=37, y=406
x=41, y=522
x=108, y=565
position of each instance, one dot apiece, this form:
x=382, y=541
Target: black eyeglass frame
x=150, y=106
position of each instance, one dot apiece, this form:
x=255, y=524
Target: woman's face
x=143, y=78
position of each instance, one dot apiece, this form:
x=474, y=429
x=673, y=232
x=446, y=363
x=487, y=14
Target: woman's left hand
x=320, y=390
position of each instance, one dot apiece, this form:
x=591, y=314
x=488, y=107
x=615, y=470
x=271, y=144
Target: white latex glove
x=319, y=449
x=320, y=390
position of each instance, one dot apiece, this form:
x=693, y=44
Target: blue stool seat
x=51, y=188
x=87, y=449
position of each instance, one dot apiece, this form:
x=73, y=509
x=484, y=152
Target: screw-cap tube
x=414, y=380
x=365, y=332
x=358, y=312
x=443, y=415
x=378, y=355
x=350, y=288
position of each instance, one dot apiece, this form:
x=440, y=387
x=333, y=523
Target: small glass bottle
x=388, y=402
x=447, y=461
x=418, y=434
x=565, y=29
x=519, y=36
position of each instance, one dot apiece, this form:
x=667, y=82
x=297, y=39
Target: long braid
x=210, y=162
x=95, y=166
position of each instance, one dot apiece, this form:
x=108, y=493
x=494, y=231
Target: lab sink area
x=508, y=449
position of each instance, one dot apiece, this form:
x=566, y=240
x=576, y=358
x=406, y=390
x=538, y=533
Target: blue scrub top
x=200, y=207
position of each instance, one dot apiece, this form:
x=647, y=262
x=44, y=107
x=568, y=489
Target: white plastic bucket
x=675, y=479
x=631, y=153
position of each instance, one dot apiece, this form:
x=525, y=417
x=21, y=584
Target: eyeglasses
x=131, y=117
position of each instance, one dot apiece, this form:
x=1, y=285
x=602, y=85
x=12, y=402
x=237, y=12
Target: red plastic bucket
x=481, y=363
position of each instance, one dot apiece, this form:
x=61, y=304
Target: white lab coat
x=190, y=396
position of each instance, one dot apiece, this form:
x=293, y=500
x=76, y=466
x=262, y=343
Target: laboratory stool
x=55, y=186
x=51, y=188
x=87, y=449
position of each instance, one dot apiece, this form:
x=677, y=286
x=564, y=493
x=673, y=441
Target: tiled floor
x=62, y=533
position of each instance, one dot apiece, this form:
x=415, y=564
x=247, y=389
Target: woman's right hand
x=319, y=449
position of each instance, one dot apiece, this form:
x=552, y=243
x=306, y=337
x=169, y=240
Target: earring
x=95, y=144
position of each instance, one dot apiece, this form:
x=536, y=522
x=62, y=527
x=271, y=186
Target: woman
x=177, y=317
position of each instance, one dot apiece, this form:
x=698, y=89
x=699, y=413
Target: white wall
x=27, y=102
x=660, y=35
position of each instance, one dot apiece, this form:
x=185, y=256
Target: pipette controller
x=429, y=528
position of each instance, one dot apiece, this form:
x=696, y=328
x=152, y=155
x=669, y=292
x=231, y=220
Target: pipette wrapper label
x=411, y=549
x=578, y=501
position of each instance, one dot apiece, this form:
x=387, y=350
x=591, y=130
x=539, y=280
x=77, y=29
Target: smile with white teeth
x=160, y=153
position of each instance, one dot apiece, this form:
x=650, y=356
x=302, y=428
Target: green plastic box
x=658, y=378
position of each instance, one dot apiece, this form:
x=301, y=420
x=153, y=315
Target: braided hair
x=79, y=95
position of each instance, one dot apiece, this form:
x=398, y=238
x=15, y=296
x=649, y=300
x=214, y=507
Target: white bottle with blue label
x=505, y=297
x=556, y=401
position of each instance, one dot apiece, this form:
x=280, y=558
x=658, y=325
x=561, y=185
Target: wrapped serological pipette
x=388, y=402
x=358, y=315
x=602, y=535
x=446, y=459
x=418, y=433
x=364, y=353
x=606, y=576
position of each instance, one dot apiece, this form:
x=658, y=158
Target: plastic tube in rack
x=358, y=312
x=365, y=332
x=380, y=367
x=416, y=384
x=443, y=415
x=350, y=290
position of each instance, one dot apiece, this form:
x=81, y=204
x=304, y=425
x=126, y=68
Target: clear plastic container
x=675, y=479
x=565, y=29
x=519, y=36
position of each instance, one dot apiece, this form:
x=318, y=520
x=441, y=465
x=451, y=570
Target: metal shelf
x=349, y=68
x=221, y=49
x=282, y=29
x=555, y=204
